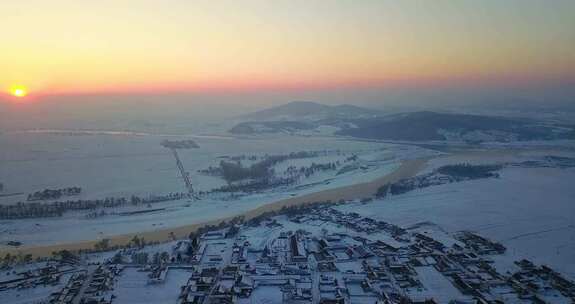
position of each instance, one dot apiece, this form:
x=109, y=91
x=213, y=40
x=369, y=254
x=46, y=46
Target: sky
x=61, y=47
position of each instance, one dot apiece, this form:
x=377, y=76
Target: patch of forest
x=48, y=194
x=260, y=174
x=233, y=170
x=468, y=171
x=180, y=144
x=442, y=175
x=290, y=176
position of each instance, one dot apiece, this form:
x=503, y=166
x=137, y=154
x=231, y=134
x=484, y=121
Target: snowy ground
x=125, y=164
x=528, y=210
x=133, y=287
x=436, y=286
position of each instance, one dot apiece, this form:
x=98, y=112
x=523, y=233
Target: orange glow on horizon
x=255, y=84
x=148, y=47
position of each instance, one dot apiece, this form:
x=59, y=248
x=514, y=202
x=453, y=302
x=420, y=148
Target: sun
x=18, y=91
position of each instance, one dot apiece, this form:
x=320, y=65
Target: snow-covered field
x=126, y=164
x=528, y=210
x=136, y=164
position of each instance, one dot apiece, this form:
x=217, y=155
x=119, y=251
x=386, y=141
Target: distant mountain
x=423, y=126
x=412, y=126
x=310, y=111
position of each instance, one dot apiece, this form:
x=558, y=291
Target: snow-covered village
x=307, y=254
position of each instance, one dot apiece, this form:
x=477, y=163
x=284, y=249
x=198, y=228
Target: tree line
x=58, y=208
x=48, y=194
x=442, y=175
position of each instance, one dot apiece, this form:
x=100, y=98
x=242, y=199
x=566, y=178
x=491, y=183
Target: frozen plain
x=135, y=164
x=528, y=210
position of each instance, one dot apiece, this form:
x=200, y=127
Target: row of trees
x=180, y=144
x=442, y=175
x=311, y=169
x=469, y=171
x=14, y=259
x=57, y=208
x=255, y=185
x=48, y=194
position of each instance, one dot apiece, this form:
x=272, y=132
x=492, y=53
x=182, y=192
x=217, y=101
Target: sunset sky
x=78, y=46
